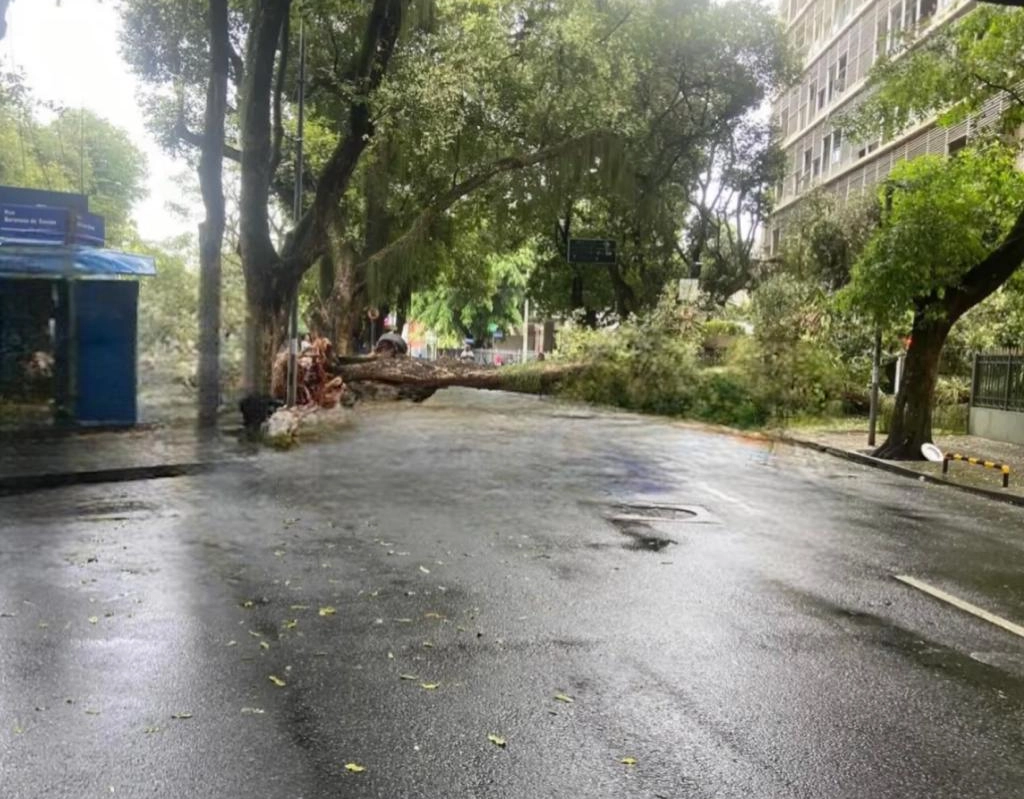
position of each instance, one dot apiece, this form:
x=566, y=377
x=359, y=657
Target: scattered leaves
x=248, y=604
x=327, y=610
x=232, y=642
x=264, y=645
x=628, y=761
x=94, y=620
x=430, y=686
x=277, y=681
x=432, y=615
x=151, y=730
x=497, y=740
x=355, y=768
x=563, y=698
x=181, y=715
x=291, y=624
x=299, y=607
x=258, y=711
x=428, y=645
x=424, y=569
x=407, y=677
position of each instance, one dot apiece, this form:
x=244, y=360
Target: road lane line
x=956, y=602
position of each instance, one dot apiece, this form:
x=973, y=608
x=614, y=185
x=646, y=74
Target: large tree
x=419, y=104
x=947, y=252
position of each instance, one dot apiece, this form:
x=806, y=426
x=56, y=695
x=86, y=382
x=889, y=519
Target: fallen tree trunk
x=412, y=373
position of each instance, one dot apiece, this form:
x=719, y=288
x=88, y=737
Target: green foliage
x=952, y=73
x=75, y=151
x=945, y=216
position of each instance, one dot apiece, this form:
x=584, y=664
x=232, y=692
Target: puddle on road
x=642, y=536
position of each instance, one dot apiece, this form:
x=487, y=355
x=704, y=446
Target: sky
x=70, y=54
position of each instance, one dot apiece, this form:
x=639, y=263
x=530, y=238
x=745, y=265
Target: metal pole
x=293, y=311
x=876, y=369
x=526, y=326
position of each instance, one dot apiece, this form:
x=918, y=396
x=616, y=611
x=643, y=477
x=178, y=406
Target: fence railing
x=998, y=381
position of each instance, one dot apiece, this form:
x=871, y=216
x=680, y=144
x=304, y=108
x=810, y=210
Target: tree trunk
x=266, y=329
x=211, y=231
x=411, y=372
x=911, y=424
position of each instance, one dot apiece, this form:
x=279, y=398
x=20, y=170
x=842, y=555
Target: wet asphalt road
x=483, y=543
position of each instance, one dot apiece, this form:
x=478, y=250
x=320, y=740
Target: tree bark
x=211, y=231
x=444, y=374
x=911, y=424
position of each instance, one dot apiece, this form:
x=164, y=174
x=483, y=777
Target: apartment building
x=839, y=41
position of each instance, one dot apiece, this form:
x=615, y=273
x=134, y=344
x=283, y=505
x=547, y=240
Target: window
x=821, y=98
x=956, y=145
x=841, y=14
x=928, y=8
x=816, y=168
x=837, y=146
x=826, y=148
x=895, y=28
x=881, y=36
x=808, y=155
x=812, y=96
x=909, y=13
x=784, y=122
x=776, y=240
x=837, y=77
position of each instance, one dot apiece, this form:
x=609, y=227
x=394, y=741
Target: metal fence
x=998, y=381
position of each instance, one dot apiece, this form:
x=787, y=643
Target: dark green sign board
x=591, y=251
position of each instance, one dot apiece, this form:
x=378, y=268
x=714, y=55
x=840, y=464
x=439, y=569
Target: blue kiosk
x=68, y=310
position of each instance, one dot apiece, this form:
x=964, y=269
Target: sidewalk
x=853, y=444
x=30, y=461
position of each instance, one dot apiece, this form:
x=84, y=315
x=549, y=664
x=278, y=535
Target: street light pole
x=293, y=310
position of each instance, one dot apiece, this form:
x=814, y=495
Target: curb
x=889, y=466
x=22, y=484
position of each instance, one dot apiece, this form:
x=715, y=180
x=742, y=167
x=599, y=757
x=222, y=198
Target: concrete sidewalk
x=42, y=460
x=976, y=479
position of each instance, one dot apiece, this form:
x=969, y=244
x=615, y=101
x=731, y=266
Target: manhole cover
x=656, y=513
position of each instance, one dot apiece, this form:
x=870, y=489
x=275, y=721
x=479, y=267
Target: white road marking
x=956, y=602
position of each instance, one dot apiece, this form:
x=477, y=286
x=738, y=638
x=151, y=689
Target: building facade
x=839, y=41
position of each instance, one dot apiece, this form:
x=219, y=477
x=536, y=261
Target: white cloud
x=70, y=55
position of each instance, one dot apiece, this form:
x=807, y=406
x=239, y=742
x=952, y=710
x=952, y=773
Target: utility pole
x=293, y=311
x=876, y=369
x=526, y=326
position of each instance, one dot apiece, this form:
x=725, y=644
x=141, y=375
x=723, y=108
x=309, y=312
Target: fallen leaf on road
x=424, y=569
x=248, y=603
x=255, y=634
x=93, y=620
x=432, y=615
x=564, y=698
x=91, y=712
x=404, y=621
x=254, y=710
x=428, y=645
x=292, y=624
x=299, y=607
x=327, y=611
x=231, y=643
x=429, y=686
x=264, y=645
x=407, y=677
x=278, y=553
x=497, y=740
x=277, y=681
x=355, y=768
x=151, y=730
x=629, y=761
x=181, y=715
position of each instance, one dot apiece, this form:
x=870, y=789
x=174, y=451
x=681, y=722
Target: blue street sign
x=31, y=224
x=89, y=229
